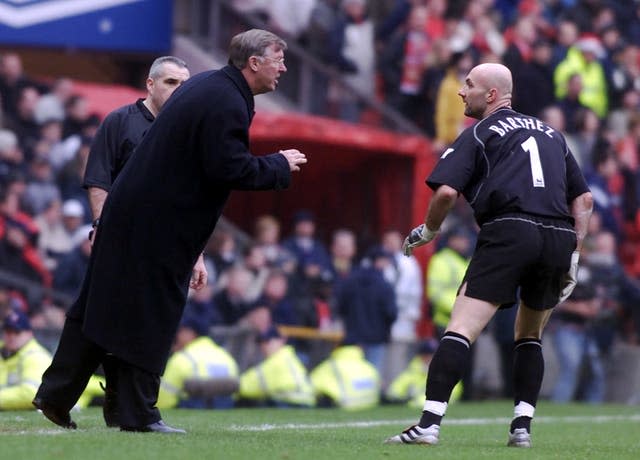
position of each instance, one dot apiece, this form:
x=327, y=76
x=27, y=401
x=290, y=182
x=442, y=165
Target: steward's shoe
x=157, y=427
x=58, y=416
x=519, y=438
x=417, y=435
x=110, y=407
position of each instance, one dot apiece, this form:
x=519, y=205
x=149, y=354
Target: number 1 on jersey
x=531, y=146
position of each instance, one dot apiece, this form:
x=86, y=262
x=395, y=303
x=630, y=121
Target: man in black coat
x=155, y=223
x=117, y=137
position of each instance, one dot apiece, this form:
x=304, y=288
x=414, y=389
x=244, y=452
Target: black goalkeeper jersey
x=118, y=135
x=511, y=163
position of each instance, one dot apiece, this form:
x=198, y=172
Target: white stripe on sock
x=523, y=409
x=435, y=407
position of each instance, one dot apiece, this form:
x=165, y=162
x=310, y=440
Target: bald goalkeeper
x=532, y=205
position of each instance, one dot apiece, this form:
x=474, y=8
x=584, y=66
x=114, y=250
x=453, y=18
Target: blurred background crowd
x=576, y=65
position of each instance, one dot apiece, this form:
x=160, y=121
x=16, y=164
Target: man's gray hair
x=155, y=70
x=253, y=42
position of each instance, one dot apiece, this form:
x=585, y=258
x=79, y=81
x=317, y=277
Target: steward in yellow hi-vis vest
x=280, y=380
x=346, y=380
x=583, y=58
x=197, y=356
x=408, y=386
x=445, y=273
x=22, y=362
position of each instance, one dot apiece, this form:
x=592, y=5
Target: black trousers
x=77, y=358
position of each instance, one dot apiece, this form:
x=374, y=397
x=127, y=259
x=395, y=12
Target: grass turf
x=469, y=431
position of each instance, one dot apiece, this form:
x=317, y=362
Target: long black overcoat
x=162, y=209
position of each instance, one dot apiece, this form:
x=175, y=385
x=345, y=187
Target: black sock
x=528, y=371
x=445, y=371
x=521, y=422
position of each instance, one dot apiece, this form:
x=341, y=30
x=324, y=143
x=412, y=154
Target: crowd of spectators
x=575, y=64
x=45, y=134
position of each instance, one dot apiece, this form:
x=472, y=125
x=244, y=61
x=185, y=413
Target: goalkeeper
x=532, y=205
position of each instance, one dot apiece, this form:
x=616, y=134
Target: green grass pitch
x=470, y=431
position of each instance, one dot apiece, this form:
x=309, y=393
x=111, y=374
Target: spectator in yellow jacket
x=584, y=59
x=280, y=380
x=197, y=358
x=408, y=386
x=346, y=380
x=445, y=272
x=450, y=120
x=22, y=362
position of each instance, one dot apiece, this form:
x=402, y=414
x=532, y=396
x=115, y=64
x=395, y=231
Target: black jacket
x=161, y=211
x=367, y=305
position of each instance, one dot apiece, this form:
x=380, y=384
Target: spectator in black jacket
x=367, y=305
x=537, y=81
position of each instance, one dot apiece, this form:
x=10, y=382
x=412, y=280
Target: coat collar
x=238, y=79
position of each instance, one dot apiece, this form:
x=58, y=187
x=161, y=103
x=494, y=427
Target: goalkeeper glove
x=418, y=236
x=570, y=278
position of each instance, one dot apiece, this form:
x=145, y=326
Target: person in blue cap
x=280, y=379
x=200, y=374
x=22, y=362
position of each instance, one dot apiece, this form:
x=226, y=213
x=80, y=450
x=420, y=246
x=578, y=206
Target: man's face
x=305, y=229
x=270, y=66
x=344, y=246
x=160, y=88
x=474, y=96
x=14, y=340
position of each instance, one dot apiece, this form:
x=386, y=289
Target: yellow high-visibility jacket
x=348, y=379
x=93, y=390
x=409, y=385
x=202, y=358
x=594, y=82
x=281, y=378
x=21, y=374
x=445, y=272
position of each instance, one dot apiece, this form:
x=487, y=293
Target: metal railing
x=212, y=23
x=34, y=292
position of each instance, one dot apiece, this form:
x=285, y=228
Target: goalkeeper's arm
x=581, y=208
x=444, y=198
x=441, y=203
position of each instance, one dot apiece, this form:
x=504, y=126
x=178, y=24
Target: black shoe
x=56, y=415
x=158, y=427
x=110, y=407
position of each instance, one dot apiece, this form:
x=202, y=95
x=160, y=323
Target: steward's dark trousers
x=77, y=358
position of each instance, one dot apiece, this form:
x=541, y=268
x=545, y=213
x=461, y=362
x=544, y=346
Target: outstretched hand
x=295, y=158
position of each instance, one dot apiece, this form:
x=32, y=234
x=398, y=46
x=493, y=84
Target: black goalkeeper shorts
x=521, y=251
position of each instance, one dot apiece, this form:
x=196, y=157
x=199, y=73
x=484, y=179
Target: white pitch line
x=467, y=421
x=46, y=432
